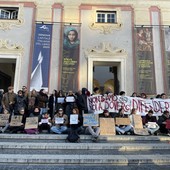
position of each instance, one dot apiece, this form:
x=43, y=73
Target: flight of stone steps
x=50, y=151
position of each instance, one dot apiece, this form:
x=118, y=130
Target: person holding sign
x=60, y=122
x=17, y=122
x=122, y=129
x=45, y=122
x=76, y=122
x=150, y=122
x=4, y=121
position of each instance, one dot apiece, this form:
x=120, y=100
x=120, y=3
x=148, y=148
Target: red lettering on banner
x=156, y=106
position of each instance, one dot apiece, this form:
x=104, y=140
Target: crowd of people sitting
x=60, y=106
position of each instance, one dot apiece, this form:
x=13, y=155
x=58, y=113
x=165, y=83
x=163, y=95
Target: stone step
x=85, y=159
x=85, y=146
x=84, y=137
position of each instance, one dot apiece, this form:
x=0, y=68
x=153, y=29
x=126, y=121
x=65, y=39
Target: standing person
x=60, y=105
x=96, y=91
x=59, y=127
x=1, y=96
x=52, y=104
x=82, y=101
x=42, y=100
x=32, y=101
x=20, y=103
x=25, y=91
x=70, y=103
x=9, y=100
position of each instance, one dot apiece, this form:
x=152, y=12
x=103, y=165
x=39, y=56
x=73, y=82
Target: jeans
x=123, y=129
x=58, y=129
x=94, y=131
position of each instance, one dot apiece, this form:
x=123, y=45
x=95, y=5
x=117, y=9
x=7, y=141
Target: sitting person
x=20, y=127
x=152, y=127
x=76, y=126
x=162, y=122
x=59, y=127
x=94, y=131
x=106, y=114
x=123, y=129
x=5, y=127
x=44, y=122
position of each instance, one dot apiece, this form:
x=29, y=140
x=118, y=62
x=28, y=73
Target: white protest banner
x=59, y=120
x=60, y=100
x=98, y=103
x=4, y=118
x=73, y=119
x=31, y=123
x=90, y=120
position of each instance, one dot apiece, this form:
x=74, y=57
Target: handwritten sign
x=4, y=119
x=16, y=121
x=90, y=120
x=44, y=120
x=99, y=103
x=122, y=121
x=59, y=120
x=60, y=100
x=73, y=119
x=70, y=99
x=31, y=123
x=107, y=126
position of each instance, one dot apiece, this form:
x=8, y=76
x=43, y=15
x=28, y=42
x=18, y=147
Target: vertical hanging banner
x=167, y=57
x=70, y=58
x=41, y=57
x=145, y=61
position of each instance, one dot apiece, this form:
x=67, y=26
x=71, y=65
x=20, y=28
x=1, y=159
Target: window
x=106, y=17
x=9, y=13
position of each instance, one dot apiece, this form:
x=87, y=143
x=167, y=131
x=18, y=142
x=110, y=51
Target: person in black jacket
x=52, y=103
x=82, y=101
x=162, y=122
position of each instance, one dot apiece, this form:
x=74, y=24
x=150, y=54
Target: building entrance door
x=105, y=77
x=7, y=73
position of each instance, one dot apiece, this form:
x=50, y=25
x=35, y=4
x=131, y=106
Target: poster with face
x=70, y=58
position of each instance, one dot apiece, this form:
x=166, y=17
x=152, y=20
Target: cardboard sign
x=4, y=118
x=31, y=123
x=122, y=121
x=16, y=121
x=59, y=120
x=60, y=100
x=137, y=121
x=90, y=120
x=107, y=126
x=73, y=119
x=143, y=132
x=70, y=99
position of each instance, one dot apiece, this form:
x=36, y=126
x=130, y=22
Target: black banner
x=145, y=61
x=70, y=58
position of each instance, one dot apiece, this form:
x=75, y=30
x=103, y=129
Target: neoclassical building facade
x=118, y=45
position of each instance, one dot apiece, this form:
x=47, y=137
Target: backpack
x=73, y=136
